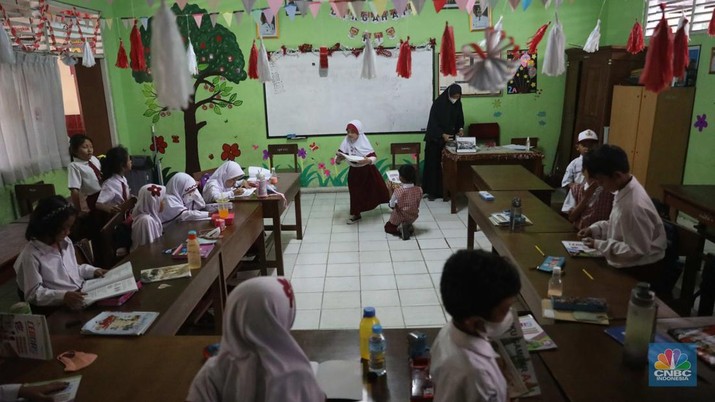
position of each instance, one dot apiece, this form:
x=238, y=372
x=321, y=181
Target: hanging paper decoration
x=340, y=8
x=198, y=18
x=248, y=5
x=323, y=68
x=136, y=53
x=419, y=5
x=302, y=7
x=680, y=49
x=169, y=62
x=658, y=70
x=253, y=63
x=438, y=4
x=368, y=59
x=591, y=45
x=214, y=19
x=275, y=5
x=400, y=5
x=462, y=4
x=404, y=60
x=711, y=26
x=484, y=69
x=122, y=60
x=554, y=57
x=191, y=57
x=264, y=69
x=447, y=53
x=357, y=6
x=291, y=10
x=145, y=22
x=538, y=36
x=181, y=4
x=635, y=39
x=228, y=18
x=68, y=60
x=547, y=3
x=314, y=7
x=238, y=16
x=514, y=4
x=525, y=4
x=87, y=56
x=7, y=55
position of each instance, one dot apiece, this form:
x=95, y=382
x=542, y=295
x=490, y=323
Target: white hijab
x=147, y=209
x=258, y=360
x=217, y=182
x=181, y=194
x=361, y=146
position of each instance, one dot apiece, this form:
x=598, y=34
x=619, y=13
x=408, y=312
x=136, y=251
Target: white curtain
x=33, y=135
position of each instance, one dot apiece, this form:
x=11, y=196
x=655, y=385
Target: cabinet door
x=593, y=96
x=644, y=136
x=624, y=118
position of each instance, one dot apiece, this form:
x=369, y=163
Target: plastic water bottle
x=368, y=320
x=640, y=323
x=262, y=185
x=274, y=176
x=528, y=143
x=193, y=250
x=376, y=364
x=556, y=286
x=515, y=214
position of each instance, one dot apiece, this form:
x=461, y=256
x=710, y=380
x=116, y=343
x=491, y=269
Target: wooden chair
x=105, y=251
x=411, y=148
x=27, y=195
x=690, y=245
x=83, y=252
x=533, y=141
x=484, y=132
x=285, y=149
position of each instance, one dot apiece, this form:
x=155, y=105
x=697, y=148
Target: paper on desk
x=247, y=192
x=339, y=379
x=66, y=395
x=515, y=147
x=254, y=170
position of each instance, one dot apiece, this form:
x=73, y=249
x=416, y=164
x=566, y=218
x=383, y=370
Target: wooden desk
x=457, y=175
x=273, y=207
x=696, y=201
x=545, y=219
x=510, y=177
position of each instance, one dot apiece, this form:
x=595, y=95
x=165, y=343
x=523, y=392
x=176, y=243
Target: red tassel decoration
x=658, y=72
x=404, y=60
x=137, y=51
x=323, y=57
x=253, y=63
x=447, y=54
x=711, y=27
x=122, y=61
x=680, y=49
x=635, y=39
x=536, y=39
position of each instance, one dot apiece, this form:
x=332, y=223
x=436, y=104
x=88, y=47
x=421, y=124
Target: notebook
x=578, y=249
x=120, y=323
x=181, y=252
x=551, y=262
x=535, y=336
x=165, y=273
x=25, y=335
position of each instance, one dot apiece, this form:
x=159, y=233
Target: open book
x=25, y=335
x=351, y=158
x=339, y=379
x=116, y=281
x=518, y=368
x=165, y=273
x=66, y=395
x=393, y=176
x=503, y=219
x=120, y=323
x=535, y=336
x=578, y=249
x=466, y=145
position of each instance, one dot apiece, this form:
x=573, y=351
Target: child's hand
x=446, y=137
x=588, y=242
x=99, y=273
x=115, y=209
x=587, y=232
x=74, y=300
x=41, y=393
x=238, y=191
x=339, y=157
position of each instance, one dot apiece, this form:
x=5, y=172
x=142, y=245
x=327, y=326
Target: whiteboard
x=299, y=101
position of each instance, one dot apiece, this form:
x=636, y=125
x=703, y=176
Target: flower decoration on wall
x=230, y=152
x=326, y=172
x=321, y=166
x=211, y=156
x=160, y=144
x=302, y=153
x=314, y=147
x=266, y=155
x=175, y=139
x=701, y=122
x=332, y=161
x=255, y=147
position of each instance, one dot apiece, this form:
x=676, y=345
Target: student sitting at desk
x=146, y=224
x=47, y=270
x=587, y=139
x=115, y=189
x=593, y=204
x=183, y=201
x=258, y=360
x=222, y=182
x=634, y=234
x=478, y=289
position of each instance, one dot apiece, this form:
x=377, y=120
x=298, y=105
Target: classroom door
x=93, y=104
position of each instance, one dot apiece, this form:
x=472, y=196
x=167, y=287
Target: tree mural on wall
x=220, y=62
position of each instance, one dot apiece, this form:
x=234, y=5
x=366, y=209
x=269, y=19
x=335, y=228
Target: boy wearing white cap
x=587, y=139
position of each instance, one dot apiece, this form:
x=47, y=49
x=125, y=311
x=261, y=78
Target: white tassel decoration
x=487, y=71
x=554, y=57
x=169, y=62
x=264, y=69
x=7, y=55
x=67, y=59
x=87, y=56
x=191, y=56
x=497, y=29
x=593, y=39
x=368, y=59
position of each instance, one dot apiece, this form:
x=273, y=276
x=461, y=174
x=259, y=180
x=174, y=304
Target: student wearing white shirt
x=38, y=393
x=47, y=270
x=146, y=223
x=587, y=139
x=115, y=189
x=478, y=289
x=222, y=182
x=183, y=201
x=84, y=172
x=634, y=234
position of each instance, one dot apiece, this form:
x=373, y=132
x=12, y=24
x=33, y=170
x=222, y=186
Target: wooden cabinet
x=654, y=130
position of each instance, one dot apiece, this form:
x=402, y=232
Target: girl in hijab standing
x=258, y=360
x=183, y=200
x=222, y=182
x=445, y=120
x=366, y=186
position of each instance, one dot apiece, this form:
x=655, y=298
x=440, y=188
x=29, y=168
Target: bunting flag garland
x=400, y=5
x=404, y=60
x=228, y=18
x=525, y=4
x=484, y=69
x=680, y=48
x=711, y=26
x=448, y=56
x=462, y=4
x=275, y=5
x=658, y=71
x=538, y=36
x=181, y=4
x=127, y=22
x=191, y=56
x=340, y=8
x=138, y=63
x=253, y=63
x=302, y=7
x=169, y=66
x=592, y=42
x=419, y=5
x=635, y=39
x=357, y=6
x=213, y=4
x=554, y=57
x=514, y=4
x=87, y=56
x=214, y=19
x=248, y=5
x=145, y=22
x=438, y=4
x=122, y=60
x=291, y=10
x=238, y=16
x=369, y=70
x=264, y=69
x=314, y=7
x=198, y=18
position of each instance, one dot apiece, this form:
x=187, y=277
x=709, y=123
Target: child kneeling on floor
x=405, y=204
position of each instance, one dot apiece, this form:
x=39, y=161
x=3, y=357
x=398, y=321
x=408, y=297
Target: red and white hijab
x=182, y=194
x=359, y=147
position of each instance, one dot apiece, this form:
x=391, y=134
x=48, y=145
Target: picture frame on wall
x=450, y=4
x=267, y=30
x=480, y=19
x=467, y=90
x=711, y=70
x=691, y=72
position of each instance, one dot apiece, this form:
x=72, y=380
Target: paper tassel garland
x=253, y=63
x=593, y=39
x=368, y=59
x=136, y=53
x=122, y=59
x=658, y=71
x=447, y=53
x=484, y=69
x=264, y=70
x=554, y=57
x=87, y=56
x=7, y=55
x=711, y=26
x=323, y=68
x=169, y=63
x=635, y=39
x=536, y=39
x=191, y=59
x=404, y=60
x=680, y=49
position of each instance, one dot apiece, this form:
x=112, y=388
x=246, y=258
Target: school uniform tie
x=125, y=196
x=96, y=171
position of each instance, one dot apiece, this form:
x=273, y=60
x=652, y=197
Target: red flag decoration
x=635, y=39
x=404, y=60
x=680, y=49
x=122, y=61
x=711, y=27
x=536, y=39
x=438, y=4
x=658, y=72
x=137, y=50
x=253, y=63
x=323, y=68
x=447, y=54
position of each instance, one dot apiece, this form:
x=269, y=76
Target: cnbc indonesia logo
x=672, y=366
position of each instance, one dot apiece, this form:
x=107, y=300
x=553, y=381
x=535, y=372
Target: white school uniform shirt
x=183, y=201
x=215, y=189
x=8, y=392
x=464, y=368
x=574, y=174
x=393, y=199
x=113, y=193
x=82, y=177
x=45, y=274
x=634, y=234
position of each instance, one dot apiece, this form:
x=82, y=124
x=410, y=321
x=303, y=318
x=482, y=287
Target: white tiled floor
x=337, y=268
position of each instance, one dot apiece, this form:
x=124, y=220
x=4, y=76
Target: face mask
x=194, y=200
x=74, y=361
x=496, y=329
x=453, y=100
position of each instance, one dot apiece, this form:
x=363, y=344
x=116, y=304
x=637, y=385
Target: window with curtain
x=698, y=13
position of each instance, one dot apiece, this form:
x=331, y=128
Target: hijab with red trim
x=361, y=146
